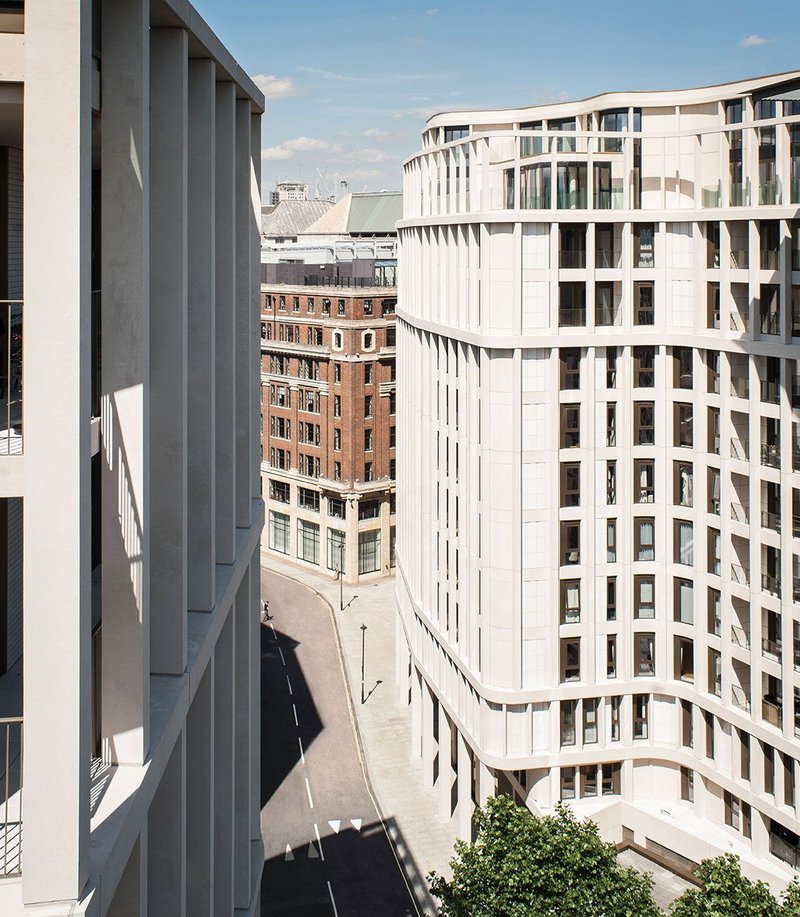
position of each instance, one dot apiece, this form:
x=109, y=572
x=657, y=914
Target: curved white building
x=599, y=481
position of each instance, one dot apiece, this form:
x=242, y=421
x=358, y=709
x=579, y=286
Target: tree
x=725, y=892
x=522, y=865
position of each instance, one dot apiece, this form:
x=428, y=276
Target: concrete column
x=224, y=330
x=255, y=300
x=125, y=382
x=416, y=714
x=130, y=897
x=486, y=782
x=168, y=351
x=200, y=848
x=444, y=782
x=57, y=584
x=428, y=744
x=223, y=769
x=254, y=625
x=166, y=839
x=242, y=760
x=201, y=549
x=464, y=778
x=244, y=311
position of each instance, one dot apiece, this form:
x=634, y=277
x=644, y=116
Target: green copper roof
x=375, y=213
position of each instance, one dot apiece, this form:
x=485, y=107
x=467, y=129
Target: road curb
x=420, y=896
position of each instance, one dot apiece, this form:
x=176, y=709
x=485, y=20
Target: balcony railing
x=770, y=323
x=769, y=259
x=772, y=648
x=606, y=258
x=769, y=192
x=770, y=520
x=771, y=455
x=608, y=200
x=607, y=315
x=740, y=194
x=772, y=713
x=739, y=513
x=771, y=584
x=712, y=195
x=738, y=449
x=572, y=318
x=10, y=796
x=770, y=392
x=740, y=698
x=572, y=258
x=11, y=377
x=739, y=574
x=779, y=848
x=740, y=259
x=739, y=321
x=571, y=200
x=740, y=637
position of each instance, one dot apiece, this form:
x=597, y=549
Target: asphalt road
x=326, y=850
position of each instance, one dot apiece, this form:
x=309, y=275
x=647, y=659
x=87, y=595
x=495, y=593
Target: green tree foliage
x=725, y=892
x=524, y=866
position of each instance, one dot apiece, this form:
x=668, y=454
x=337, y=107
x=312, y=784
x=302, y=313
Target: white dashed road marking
x=289, y=683
x=302, y=753
x=319, y=842
x=294, y=711
x=333, y=903
x=273, y=630
x=308, y=790
x=281, y=655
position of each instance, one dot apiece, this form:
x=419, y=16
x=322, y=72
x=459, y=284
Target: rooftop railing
x=11, y=377
x=11, y=796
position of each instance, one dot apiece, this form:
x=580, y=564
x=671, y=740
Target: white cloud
x=276, y=154
x=753, y=41
x=371, y=155
x=275, y=87
x=310, y=145
x=388, y=78
x=433, y=12
x=418, y=40
x=380, y=136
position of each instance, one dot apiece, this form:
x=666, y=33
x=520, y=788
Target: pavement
x=357, y=755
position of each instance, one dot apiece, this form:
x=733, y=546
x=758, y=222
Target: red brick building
x=328, y=408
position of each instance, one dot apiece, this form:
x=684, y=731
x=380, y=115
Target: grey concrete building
x=130, y=510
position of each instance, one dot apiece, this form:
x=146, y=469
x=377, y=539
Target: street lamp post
x=363, y=638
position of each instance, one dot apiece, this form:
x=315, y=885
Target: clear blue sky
x=350, y=83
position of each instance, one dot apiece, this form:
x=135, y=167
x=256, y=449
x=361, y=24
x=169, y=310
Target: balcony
x=740, y=575
x=769, y=259
x=10, y=796
x=740, y=259
x=769, y=192
x=740, y=637
x=738, y=449
x=771, y=455
x=606, y=258
x=572, y=258
x=771, y=584
x=608, y=200
x=772, y=649
x=740, y=194
x=740, y=698
x=785, y=851
x=770, y=392
x=772, y=713
x=11, y=377
x=770, y=520
x=712, y=196
x=571, y=200
x=571, y=318
x=739, y=513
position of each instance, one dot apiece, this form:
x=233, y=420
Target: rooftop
x=291, y=218
x=361, y=213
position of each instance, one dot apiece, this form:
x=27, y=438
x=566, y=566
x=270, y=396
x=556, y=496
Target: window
x=769, y=768
x=368, y=369
x=709, y=724
x=687, y=784
x=732, y=810
x=611, y=483
x=611, y=367
x=392, y=437
x=336, y=508
x=567, y=782
x=611, y=656
x=612, y=778
x=570, y=601
x=279, y=490
x=571, y=659
x=340, y=307
x=337, y=373
x=570, y=426
x=588, y=780
x=392, y=403
x=368, y=340
x=279, y=532
x=570, y=542
x=589, y=720
x=644, y=413
x=308, y=499
x=611, y=598
x=295, y=304
x=367, y=307
x=337, y=471
x=684, y=484
x=336, y=550
x=369, y=509
x=644, y=246
x=392, y=546
x=368, y=471
x=611, y=541
x=684, y=543
x=611, y=424
x=644, y=597
x=684, y=601
x=687, y=724
x=337, y=405
x=684, y=659
x=368, y=440
x=644, y=471
x=744, y=755
x=308, y=541
x=337, y=439
x=567, y=710
x=641, y=715
x=714, y=673
x=616, y=706
x=644, y=375
x=682, y=357
x=645, y=654
x=337, y=340
x=683, y=425
x=645, y=539
x=391, y=337
x=570, y=369
x=369, y=551
x=368, y=406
